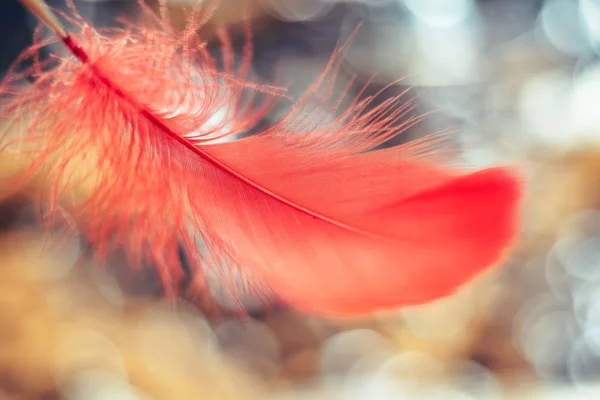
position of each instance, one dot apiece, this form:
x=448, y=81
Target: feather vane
x=307, y=208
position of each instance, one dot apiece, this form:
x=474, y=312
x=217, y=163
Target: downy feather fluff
x=305, y=208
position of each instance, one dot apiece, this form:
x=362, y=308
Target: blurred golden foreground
x=70, y=329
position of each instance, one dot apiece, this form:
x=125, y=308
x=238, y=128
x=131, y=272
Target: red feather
x=327, y=225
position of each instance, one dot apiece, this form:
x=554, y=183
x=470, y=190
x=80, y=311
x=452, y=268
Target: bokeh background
x=517, y=81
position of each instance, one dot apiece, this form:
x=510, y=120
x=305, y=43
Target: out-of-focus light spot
x=412, y=366
x=544, y=107
x=478, y=381
x=379, y=387
x=59, y=256
x=592, y=322
x=578, y=246
x=372, y=387
x=446, y=55
x=172, y=340
x=585, y=100
x=425, y=55
x=100, y=385
x=382, y=47
x=556, y=391
x=305, y=10
x=556, y=275
x=581, y=222
x=585, y=294
x=408, y=375
x=55, y=252
x=559, y=22
x=482, y=157
x=592, y=337
x=580, y=256
x=84, y=350
x=590, y=14
x=200, y=332
x=532, y=311
x=547, y=342
x=341, y=352
x=440, y=13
